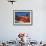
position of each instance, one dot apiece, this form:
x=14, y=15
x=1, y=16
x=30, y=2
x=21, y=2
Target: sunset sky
x=22, y=13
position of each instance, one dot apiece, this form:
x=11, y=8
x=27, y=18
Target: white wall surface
x=38, y=30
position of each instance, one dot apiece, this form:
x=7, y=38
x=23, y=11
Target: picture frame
x=22, y=17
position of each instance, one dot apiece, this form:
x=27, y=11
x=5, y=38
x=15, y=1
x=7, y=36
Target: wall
x=37, y=31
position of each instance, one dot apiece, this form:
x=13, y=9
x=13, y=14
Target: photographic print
x=22, y=17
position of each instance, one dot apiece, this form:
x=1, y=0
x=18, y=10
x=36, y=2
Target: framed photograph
x=22, y=17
